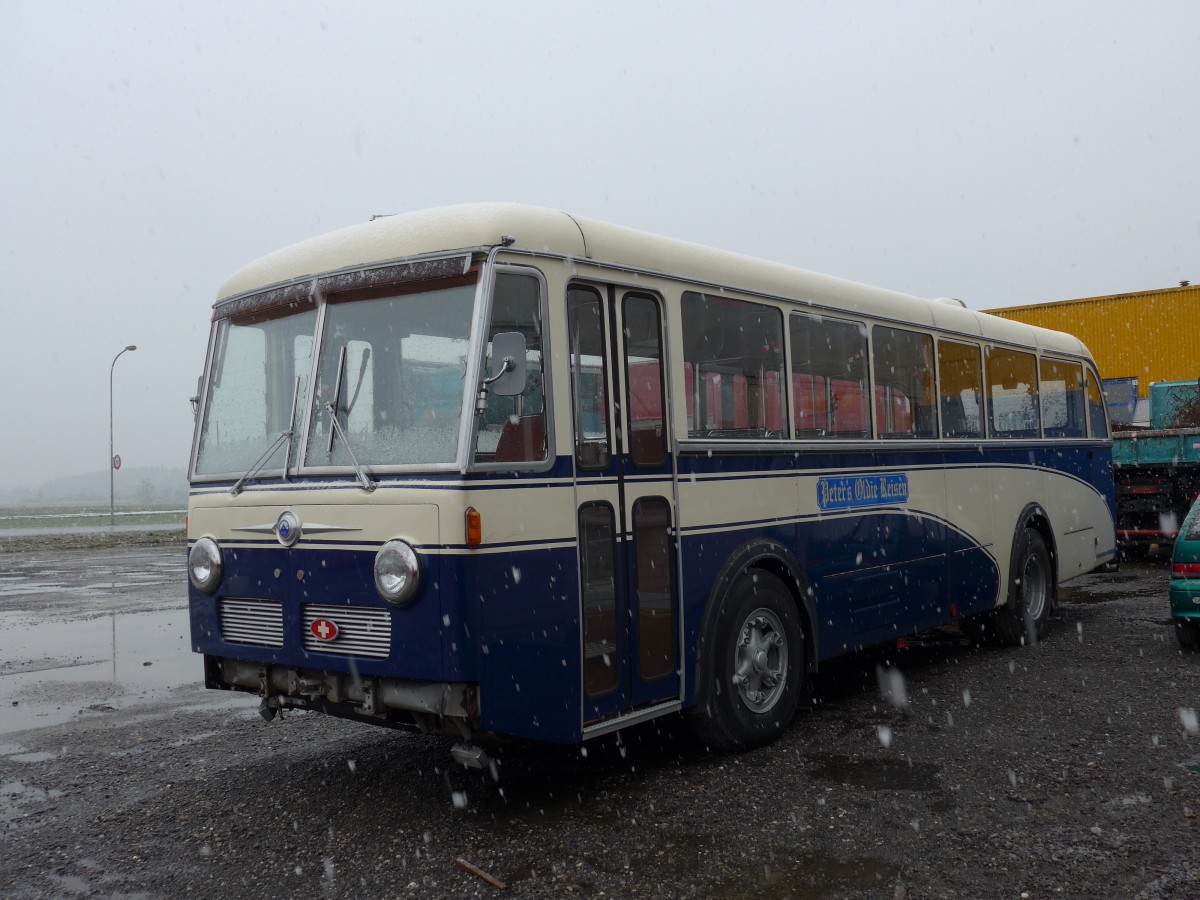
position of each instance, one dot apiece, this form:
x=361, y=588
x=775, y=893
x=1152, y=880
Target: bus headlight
x=205, y=565
x=397, y=572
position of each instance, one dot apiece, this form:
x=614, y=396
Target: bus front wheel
x=754, y=665
x=1025, y=618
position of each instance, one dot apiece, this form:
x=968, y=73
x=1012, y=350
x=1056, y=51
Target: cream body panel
x=416, y=523
x=969, y=503
x=522, y=515
x=1078, y=515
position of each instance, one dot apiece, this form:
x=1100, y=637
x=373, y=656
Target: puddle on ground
x=115, y=573
x=806, y=878
x=51, y=671
x=34, y=757
x=16, y=795
x=876, y=774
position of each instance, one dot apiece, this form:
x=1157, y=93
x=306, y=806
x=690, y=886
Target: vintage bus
x=499, y=470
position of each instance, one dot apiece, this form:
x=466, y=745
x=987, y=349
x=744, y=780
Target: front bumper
x=450, y=708
x=1185, y=599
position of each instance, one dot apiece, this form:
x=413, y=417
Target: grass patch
x=91, y=540
x=76, y=515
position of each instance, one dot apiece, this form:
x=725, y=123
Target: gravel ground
x=1067, y=770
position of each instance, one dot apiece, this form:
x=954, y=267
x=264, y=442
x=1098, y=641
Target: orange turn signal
x=474, y=527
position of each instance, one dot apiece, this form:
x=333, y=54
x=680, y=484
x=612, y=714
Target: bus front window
x=260, y=366
x=392, y=368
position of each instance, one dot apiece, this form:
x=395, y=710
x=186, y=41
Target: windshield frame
x=429, y=269
x=218, y=329
x=471, y=424
x=317, y=409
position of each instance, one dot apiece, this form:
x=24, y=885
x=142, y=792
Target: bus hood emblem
x=287, y=529
x=324, y=630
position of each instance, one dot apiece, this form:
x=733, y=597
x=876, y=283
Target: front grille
x=252, y=622
x=362, y=630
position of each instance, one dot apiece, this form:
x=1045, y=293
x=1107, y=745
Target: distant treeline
x=145, y=484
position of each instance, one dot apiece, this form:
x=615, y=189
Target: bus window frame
x=664, y=374
x=943, y=337
x=1092, y=375
x=933, y=386
x=863, y=327
x=467, y=461
x=706, y=293
x=1057, y=359
x=1034, y=352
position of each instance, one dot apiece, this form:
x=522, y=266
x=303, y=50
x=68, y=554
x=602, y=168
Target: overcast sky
x=1005, y=153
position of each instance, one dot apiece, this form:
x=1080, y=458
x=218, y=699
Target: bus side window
x=1096, y=408
x=903, y=364
x=1012, y=393
x=644, y=381
x=736, y=350
x=513, y=429
x=960, y=388
x=829, y=377
x=598, y=588
x=1062, y=399
x=588, y=378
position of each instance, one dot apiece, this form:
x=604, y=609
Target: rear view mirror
x=508, y=364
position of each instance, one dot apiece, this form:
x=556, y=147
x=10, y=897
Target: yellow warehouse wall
x=1150, y=335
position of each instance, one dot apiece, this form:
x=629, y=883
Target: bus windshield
x=391, y=368
x=260, y=372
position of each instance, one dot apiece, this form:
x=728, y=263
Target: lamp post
x=112, y=515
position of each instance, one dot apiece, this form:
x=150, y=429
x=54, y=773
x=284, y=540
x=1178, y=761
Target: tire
x=749, y=684
x=1025, y=618
x=1188, y=634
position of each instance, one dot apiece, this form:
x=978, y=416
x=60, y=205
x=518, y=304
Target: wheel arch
x=770, y=556
x=1035, y=516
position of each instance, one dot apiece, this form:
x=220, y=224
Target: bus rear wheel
x=752, y=675
x=1025, y=618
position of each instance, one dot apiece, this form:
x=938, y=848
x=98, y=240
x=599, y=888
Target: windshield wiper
x=332, y=408
x=270, y=451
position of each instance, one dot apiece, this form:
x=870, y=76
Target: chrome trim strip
x=626, y=719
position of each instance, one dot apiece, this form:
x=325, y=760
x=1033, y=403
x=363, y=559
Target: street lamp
x=112, y=459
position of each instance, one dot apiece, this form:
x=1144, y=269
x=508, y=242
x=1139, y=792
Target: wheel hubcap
x=760, y=661
x=1033, y=587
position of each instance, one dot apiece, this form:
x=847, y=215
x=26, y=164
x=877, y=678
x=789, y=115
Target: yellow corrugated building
x=1148, y=335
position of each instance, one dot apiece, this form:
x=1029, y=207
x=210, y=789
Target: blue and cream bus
x=500, y=470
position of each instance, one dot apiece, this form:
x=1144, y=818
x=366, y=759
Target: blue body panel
x=335, y=577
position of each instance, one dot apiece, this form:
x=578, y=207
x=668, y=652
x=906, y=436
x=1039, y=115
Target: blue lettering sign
x=853, y=491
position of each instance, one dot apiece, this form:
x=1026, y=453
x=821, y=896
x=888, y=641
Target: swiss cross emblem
x=324, y=630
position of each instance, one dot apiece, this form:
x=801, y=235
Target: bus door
x=629, y=606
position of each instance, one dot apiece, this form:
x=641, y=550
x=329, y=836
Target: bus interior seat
x=522, y=440
x=646, y=445
x=954, y=420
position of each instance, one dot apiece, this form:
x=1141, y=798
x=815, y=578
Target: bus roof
x=537, y=230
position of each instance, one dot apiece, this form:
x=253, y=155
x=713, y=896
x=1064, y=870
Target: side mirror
x=508, y=364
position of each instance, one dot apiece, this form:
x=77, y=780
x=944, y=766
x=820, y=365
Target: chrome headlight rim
x=397, y=572
x=206, y=565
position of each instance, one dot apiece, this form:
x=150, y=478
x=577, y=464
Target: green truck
x=1156, y=469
